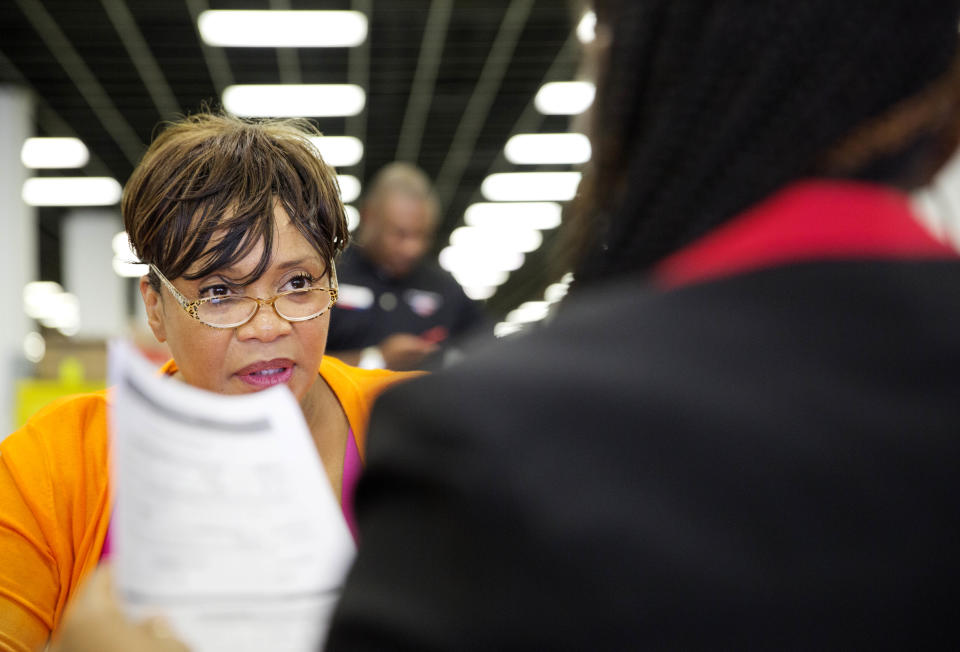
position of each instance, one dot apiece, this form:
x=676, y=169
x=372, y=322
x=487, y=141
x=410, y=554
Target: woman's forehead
x=289, y=248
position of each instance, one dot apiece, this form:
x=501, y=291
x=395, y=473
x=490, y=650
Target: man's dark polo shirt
x=372, y=305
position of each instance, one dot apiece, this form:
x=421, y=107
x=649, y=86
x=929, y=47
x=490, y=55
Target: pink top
x=352, y=467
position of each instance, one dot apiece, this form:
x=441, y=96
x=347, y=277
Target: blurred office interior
x=485, y=95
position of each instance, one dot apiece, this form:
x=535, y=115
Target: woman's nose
x=265, y=325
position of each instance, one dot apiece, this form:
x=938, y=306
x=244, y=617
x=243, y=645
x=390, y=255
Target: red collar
x=810, y=220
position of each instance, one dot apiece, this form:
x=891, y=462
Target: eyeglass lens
x=296, y=305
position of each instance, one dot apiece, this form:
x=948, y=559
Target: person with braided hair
x=740, y=428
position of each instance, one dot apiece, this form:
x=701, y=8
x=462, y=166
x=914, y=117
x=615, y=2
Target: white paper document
x=224, y=520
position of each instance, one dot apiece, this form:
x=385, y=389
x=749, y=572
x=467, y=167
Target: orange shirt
x=55, y=501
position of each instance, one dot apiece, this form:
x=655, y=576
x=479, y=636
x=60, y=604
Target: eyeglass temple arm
x=182, y=300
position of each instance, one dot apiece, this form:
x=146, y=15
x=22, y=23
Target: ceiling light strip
x=215, y=58
x=531, y=186
x=282, y=29
x=514, y=215
x=424, y=79
x=548, y=149
x=71, y=191
x=339, y=151
x=142, y=58
x=565, y=98
x=54, y=153
x=294, y=100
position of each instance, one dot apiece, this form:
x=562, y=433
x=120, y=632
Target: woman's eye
x=216, y=291
x=300, y=282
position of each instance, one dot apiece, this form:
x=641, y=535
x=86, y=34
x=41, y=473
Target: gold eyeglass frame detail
x=192, y=307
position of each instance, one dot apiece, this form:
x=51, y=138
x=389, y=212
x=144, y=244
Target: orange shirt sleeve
x=54, y=511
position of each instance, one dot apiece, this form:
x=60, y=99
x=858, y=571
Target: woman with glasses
x=240, y=223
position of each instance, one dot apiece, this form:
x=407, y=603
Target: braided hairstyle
x=705, y=107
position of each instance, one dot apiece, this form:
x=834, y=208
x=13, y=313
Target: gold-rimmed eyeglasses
x=235, y=311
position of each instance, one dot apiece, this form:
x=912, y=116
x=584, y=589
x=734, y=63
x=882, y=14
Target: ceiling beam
x=358, y=72
x=288, y=60
x=142, y=58
x=83, y=78
x=527, y=282
x=424, y=80
x=49, y=120
x=484, y=93
x=561, y=69
x=216, y=58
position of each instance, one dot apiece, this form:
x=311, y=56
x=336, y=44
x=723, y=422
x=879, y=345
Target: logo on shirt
x=422, y=302
x=354, y=297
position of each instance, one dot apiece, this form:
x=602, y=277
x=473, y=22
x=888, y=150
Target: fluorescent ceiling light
x=47, y=302
x=339, y=150
x=545, y=149
x=278, y=29
x=353, y=218
x=129, y=269
x=555, y=292
x=34, y=347
x=62, y=313
x=125, y=261
x=294, y=100
x=587, y=28
x=564, y=98
x=514, y=215
x=482, y=238
x=506, y=328
x=36, y=297
x=528, y=312
x=54, y=153
x=531, y=186
x=121, y=246
x=349, y=187
x=461, y=257
x=480, y=276
x=479, y=292
x=71, y=191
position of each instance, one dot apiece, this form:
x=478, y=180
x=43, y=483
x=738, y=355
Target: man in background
x=396, y=308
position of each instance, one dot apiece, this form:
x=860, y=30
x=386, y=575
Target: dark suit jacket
x=763, y=460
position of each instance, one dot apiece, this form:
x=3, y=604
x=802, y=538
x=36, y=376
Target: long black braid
x=706, y=107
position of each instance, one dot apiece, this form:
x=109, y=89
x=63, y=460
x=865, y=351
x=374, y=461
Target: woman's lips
x=267, y=373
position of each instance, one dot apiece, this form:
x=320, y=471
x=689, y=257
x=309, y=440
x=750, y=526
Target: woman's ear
x=153, y=303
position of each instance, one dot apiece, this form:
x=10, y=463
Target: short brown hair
x=210, y=174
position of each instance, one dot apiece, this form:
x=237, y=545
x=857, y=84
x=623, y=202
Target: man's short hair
x=402, y=178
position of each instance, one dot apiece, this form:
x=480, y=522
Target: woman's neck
x=329, y=429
